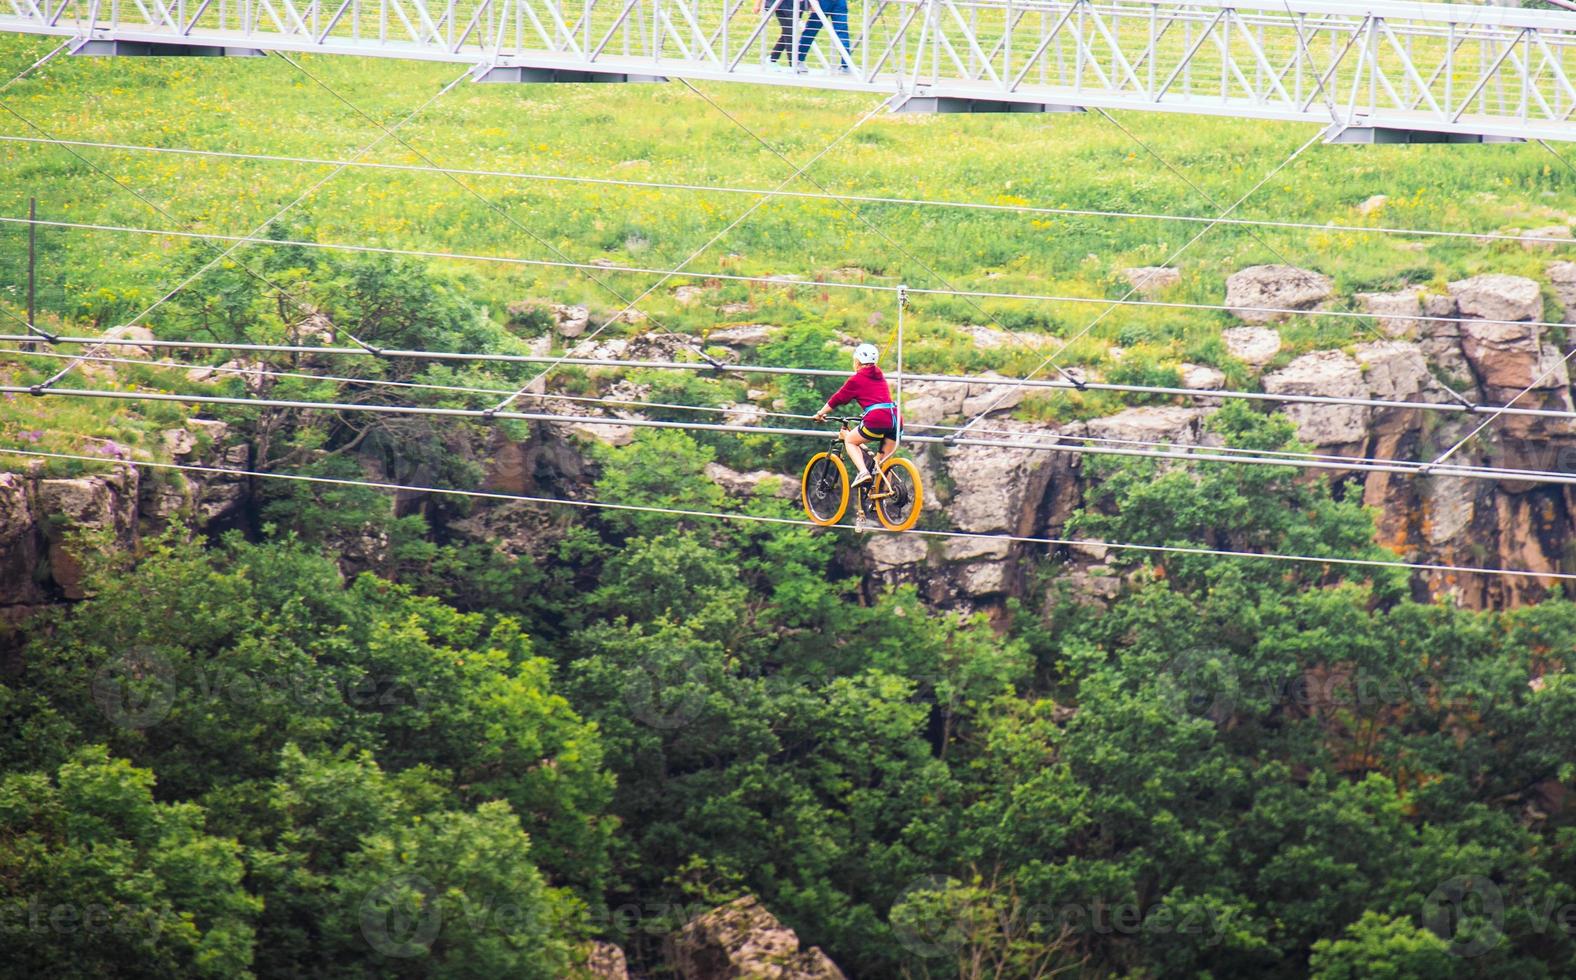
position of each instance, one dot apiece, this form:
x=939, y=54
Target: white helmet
x=866, y=354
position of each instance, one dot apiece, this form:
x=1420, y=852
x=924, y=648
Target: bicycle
x=894, y=493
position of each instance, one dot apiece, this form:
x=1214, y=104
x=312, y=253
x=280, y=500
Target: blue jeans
x=837, y=11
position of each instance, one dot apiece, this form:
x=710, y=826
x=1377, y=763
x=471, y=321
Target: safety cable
x=785, y=282
x=798, y=172
x=251, y=237
x=854, y=213
x=1050, y=443
x=745, y=408
x=914, y=202
x=952, y=379
x=762, y=518
x=1050, y=359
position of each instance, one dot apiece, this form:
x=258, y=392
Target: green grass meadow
x=93, y=279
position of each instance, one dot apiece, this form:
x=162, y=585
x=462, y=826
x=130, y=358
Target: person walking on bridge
x=787, y=14
x=820, y=11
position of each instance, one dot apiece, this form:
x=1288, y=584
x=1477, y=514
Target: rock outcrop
x=43, y=517
x=742, y=939
x=1257, y=291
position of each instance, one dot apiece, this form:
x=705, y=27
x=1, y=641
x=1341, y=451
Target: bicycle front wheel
x=902, y=495
x=824, y=489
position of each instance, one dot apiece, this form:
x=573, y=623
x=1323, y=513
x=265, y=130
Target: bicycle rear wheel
x=899, y=510
x=824, y=489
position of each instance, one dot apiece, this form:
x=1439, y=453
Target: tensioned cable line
x=1050, y=359
x=781, y=282
x=387, y=133
x=1559, y=365
x=801, y=170
x=854, y=212
x=151, y=204
x=977, y=380
x=1025, y=209
x=32, y=328
x=1177, y=453
x=35, y=66
x=765, y=519
x=726, y=411
x=491, y=205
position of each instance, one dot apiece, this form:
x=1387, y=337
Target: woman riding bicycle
x=879, y=424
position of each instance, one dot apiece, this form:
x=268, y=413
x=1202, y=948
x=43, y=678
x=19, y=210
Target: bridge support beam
x=100, y=48
x=521, y=74
x=1386, y=135
x=942, y=105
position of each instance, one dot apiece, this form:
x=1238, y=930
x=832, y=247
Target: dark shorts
x=876, y=435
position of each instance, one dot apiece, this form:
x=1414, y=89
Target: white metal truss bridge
x=1384, y=71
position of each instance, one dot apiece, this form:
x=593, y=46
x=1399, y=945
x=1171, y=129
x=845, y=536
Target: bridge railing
x=1440, y=67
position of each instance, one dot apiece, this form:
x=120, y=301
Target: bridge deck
x=1429, y=68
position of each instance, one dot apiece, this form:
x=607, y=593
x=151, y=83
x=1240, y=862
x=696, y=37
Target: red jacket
x=868, y=387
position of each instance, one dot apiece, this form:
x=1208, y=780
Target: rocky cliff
x=1474, y=341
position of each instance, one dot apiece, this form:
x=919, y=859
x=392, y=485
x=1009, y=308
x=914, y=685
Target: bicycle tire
x=823, y=489
x=900, y=511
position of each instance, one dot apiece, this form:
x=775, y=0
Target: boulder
x=106, y=502
x=929, y=402
x=133, y=333
x=1150, y=423
x=1547, y=239
x=991, y=396
x=253, y=374
x=1497, y=297
x=686, y=295
x=1391, y=307
x=1396, y=371
x=1562, y=277
x=609, y=434
x=1280, y=287
x=1373, y=205
x=742, y=939
x=1252, y=345
x=735, y=309
x=569, y=321
x=1000, y=488
x=974, y=549
x=1439, y=336
x=1151, y=280
x=1512, y=355
x=981, y=579
x=744, y=335
x=893, y=550
x=315, y=330
x=1201, y=377
x=604, y=961
x=1325, y=372
x=988, y=338
x=749, y=484
x=19, y=543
